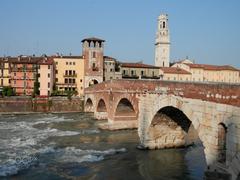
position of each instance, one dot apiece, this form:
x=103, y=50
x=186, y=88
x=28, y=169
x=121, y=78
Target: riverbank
x=28, y=105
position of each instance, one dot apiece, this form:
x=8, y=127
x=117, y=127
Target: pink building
x=25, y=71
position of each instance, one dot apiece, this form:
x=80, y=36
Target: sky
x=207, y=31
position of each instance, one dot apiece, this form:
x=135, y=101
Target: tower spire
x=162, y=45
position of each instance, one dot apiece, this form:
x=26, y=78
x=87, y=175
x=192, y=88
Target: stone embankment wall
x=51, y=104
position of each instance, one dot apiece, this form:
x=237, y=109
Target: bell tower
x=162, y=44
x=93, y=60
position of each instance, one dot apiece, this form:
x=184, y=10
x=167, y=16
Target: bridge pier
x=101, y=115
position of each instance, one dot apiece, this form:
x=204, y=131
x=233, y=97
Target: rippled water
x=69, y=146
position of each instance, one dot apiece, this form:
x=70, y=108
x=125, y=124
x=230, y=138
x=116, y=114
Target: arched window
x=163, y=24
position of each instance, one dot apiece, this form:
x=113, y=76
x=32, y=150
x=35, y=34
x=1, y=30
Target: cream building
x=139, y=71
x=175, y=74
x=111, y=69
x=69, y=73
x=162, y=44
x=210, y=73
x=46, y=76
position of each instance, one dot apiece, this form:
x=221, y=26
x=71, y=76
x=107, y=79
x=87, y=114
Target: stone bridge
x=174, y=114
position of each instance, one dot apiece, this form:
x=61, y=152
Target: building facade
x=139, y=71
x=112, y=69
x=46, y=76
x=162, y=44
x=69, y=73
x=209, y=73
x=5, y=75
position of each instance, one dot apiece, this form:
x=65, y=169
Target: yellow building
x=5, y=73
x=139, y=71
x=69, y=73
x=210, y=73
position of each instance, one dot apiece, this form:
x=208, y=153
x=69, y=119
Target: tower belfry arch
x=162, y=44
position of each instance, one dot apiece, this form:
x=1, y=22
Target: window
x=70, y=81
x=80, y=80
x=73, y=63
x=73, y=72
x=66, y=63
x=70, y=72
x=153, y=73
x=66, y=72
x=1, y=82
x=14, y=74
x=142, y=73
x=110, y=77
x=56, y=79
x=56, y=63
x=49, y=85
x=48, y=75
x=132, y=72
x=163, y=63
x=56, y=71
x=70, y=63
x=73, y=81
x=164, y=24
x=93, y=54
x=111, y=70
x=38, y=75
x=66, y=81
x=9, y=81
x=93, y=65
x=49, y=66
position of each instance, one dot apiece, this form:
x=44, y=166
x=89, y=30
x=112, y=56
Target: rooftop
x=212, y=67
x=174, y=70
x=138, y=65
x=93, y=39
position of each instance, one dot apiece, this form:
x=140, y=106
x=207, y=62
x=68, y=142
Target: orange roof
x=138, y=65
x=174, y=70
x=212, y=67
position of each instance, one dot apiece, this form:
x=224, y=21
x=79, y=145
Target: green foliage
x=8, y=91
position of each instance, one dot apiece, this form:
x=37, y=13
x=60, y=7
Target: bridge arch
x=101, y=106
x=124, y=107
x=170, y=127
x=89, y=106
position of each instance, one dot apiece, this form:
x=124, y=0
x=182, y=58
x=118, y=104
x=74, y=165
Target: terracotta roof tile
x=212, y=67
x=174, y=70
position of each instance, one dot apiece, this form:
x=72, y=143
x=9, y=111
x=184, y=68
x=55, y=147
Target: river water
x=70, y=146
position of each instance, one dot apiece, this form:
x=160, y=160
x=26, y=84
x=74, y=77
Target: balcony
x=126, y=76
x=66, y=84
x=70, y=75
x=23, y=69
x=150, y=77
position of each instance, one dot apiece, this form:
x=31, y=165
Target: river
x=70, y=146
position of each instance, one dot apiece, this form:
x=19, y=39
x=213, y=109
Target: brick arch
x=131, y=98
x=101, y=106
x=89, y=105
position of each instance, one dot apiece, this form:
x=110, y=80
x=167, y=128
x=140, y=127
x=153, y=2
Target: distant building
x=162, y=44
x=69, y=73
x=209, y=73
x=112, y=69
x=139, y=71
x=5, y=74
x=46, y=76
x=25, y=71
x=175, y=74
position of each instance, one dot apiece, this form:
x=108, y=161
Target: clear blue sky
x=205, y=30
